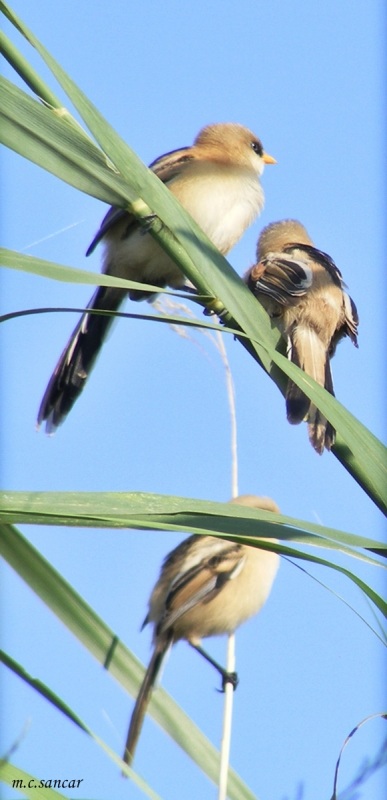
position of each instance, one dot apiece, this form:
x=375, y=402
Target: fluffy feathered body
x=207, y=587
x=303, y=290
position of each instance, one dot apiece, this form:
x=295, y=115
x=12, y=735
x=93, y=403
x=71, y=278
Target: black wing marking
x=349, y=327
x=281, y=278
x=322, y=258
x=166, y=167
x=351, y=318
x=201, y=583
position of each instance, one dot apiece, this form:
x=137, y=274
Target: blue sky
x=308, y=79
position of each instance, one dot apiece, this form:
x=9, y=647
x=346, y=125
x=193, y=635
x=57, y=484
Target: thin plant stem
x=217, y=340
x=230, y=661
x=232, y=408
x=227, y=721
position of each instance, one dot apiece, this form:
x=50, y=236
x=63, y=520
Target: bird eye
x=257, y=147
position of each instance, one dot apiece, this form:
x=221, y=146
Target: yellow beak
x=268, y=159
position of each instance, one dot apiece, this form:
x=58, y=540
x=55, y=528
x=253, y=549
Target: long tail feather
x=297, y=403
x=78, y=358
x=321, y=433
x=308, y=352
x=142, y=701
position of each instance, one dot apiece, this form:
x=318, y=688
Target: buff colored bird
x=303, y=290
x=207, y=586
x=217, y=180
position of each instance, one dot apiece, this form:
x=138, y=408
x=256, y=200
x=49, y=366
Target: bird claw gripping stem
x=229, y=677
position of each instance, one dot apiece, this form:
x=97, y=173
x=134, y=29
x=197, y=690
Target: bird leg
x=227, y=677
x=150, y=222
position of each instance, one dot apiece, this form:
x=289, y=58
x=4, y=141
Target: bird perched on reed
x=207, y=586
x=217, y=180
x=302, y=289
